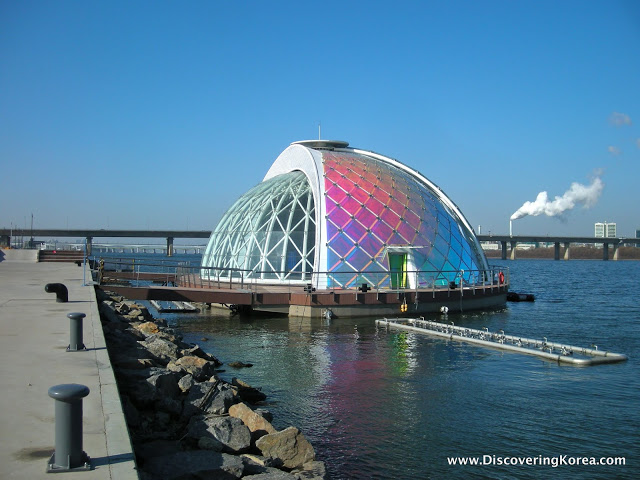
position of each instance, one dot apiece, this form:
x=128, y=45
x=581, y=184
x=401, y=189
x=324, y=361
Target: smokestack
x=511, y=228
x=577, y=193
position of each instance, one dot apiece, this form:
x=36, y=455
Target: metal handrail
x=197, y=276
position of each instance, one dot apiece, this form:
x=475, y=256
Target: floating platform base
x=557, y=352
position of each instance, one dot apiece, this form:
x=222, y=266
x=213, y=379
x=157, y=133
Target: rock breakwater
x=186, y=422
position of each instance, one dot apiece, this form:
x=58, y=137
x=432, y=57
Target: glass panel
x=341, y=244
x=360, y=258
x=355, y=231
x=264, y=229
x=372, y=245
x=396, y=206
x=408, y=233
x=382, y=231
x=351, y=205
x=391, y=218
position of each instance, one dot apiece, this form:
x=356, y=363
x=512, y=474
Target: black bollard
x=75, y=332
x=68, y=455
x=62, y=294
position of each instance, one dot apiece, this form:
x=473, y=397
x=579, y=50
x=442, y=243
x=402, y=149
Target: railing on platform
x=195, y=276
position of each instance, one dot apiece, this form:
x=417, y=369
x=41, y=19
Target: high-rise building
x=605, y=230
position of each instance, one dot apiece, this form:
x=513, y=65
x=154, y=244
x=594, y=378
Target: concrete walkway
x=34, y=335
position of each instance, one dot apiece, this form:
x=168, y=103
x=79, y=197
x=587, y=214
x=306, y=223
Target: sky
x=160, y=114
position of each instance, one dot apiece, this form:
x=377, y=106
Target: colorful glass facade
x=339, y=217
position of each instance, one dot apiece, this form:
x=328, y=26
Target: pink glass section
x=381, y=205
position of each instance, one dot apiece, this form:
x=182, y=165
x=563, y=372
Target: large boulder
x=145, y=386
x=247, y=392
x=147, y=328
x=134, y=310
x=230, y=432
x=208, y=397
x=142, y=394
x=195, y=464
x=162, y=350
x=258, y=425
x=289, y=447
x=186, y=382
x=122, y=308
x=195, y=350
x=272, y=474
x=254, y=464
x=315, y=470
x=199, y=368
x=166, y=384
x=109, y=312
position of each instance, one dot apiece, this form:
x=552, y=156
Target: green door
x=398, y=269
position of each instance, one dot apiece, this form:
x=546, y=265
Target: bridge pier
x=504, y=250
x=605, y=251
x=88, y=241
x=513, y=250
x=566, y=251
x=556, y=251
x=169, y=246
x=615, y=251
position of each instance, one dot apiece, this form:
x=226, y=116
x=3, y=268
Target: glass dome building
x=335, y=217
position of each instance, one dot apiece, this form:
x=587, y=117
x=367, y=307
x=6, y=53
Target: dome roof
x=338, y=217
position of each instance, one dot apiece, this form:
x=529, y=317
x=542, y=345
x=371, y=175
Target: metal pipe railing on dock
x=196, y=276
x=541, y=348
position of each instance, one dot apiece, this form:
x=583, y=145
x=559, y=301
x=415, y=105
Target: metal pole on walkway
x=68, y=455
x=75, y=332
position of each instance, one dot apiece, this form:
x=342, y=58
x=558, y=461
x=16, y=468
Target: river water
x=395, y=405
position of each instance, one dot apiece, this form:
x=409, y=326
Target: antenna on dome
x=319, y=130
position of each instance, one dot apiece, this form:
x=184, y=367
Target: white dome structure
x=334, y=216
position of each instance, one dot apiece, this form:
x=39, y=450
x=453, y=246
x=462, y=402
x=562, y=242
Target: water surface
x=387, y=404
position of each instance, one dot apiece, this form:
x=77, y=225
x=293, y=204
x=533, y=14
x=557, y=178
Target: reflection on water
x=386, y=404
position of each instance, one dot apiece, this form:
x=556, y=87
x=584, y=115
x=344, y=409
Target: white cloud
x=614, y=150
x=619, y=119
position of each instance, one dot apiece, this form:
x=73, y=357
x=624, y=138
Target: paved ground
x=34, y=335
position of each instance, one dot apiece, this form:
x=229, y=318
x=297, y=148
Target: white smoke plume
x=577, y=194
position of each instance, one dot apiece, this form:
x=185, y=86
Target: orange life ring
x=501, y=277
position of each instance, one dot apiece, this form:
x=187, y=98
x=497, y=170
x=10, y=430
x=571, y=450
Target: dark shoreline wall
x=575, y=253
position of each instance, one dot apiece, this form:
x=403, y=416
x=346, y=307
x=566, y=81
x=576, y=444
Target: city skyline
x=155, y=115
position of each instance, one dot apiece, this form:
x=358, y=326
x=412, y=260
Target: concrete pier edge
x=34, y=335
x=115, y=426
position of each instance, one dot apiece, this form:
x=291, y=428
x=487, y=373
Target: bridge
x=170, y=235
x=513, y=240
x=89, y=235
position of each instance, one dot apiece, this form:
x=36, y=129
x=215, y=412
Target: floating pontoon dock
x=557, y=352
x=174, y=307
